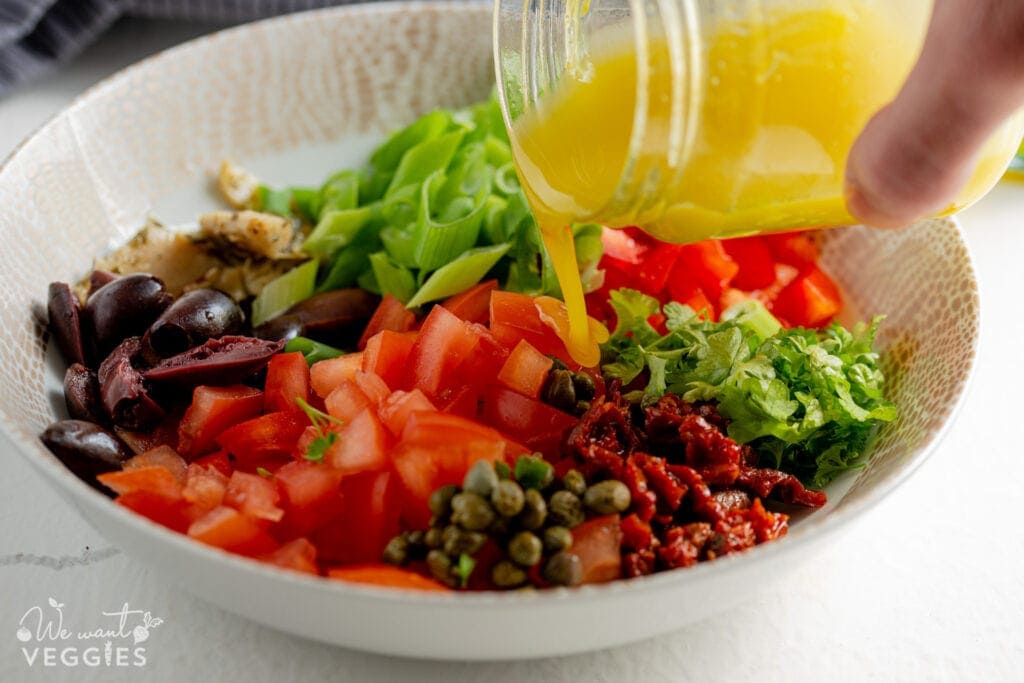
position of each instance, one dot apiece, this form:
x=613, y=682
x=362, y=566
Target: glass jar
x=705, y=118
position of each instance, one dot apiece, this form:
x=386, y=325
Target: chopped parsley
x=325, y=438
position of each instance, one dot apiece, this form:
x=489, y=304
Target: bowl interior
x=303, y=95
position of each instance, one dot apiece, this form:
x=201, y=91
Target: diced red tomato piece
x=161, y=456
x=154, y=479
x=386, y=355
x=173, y=514
x=385, y=575
x=441, y=429
x=204, y=486
x=597, y=543
x=375, y=389
x=795, y=248
x=658, y=266
x=263, y=438
x=219, y=461
x=755, y=261
x=707, y=263
x=811, y=300
x=623, y=247
x=391, y=314
x=298, y=554
x=328, y=375
x=254, y=496
x=368, y=520
x=525, y=370
x=693, y=296
x=287, y=380
x=310, y=495
x=473, y=305
x=515, y=317
x=347, y=401
x=227, y=528
x=463, y=401
x=445, y=341
x=395, y=410
x=213, y=410
x=361, y=446
x=535, y=424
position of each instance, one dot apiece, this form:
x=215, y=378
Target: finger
x=916, y=153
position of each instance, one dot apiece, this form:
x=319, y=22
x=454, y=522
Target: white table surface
x=927, y=586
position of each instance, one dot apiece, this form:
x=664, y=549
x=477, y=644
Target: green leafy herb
x=808, y=401
x=464, y=568
x=324, y=438
x=532, y=472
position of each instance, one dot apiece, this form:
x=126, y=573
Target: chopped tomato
x=708, y=264
x=298, y=554
x=161, y=456
x=287, y=380
x=795, y=248
x=204, y=486
x=597, y=543
x=263, y=438
x=440, y=429
x=346, y=401
x=464, y=402
x=395, y=410
x=623, y=246
x=171, y=513
x=213, y=410
x=525, y=370
x=473, y=305
x=386, y=355
x=391, y=314
x=536, y=424
x=368, y=520
x=219, y=461
x=227, y=528
x=328, y=375
x=310, y=494
x=811, y=300
x=154, y=479
x=658, y=265
x=693, y=296
x=361, y=446
x=385, y=575
x=755, y=261
x=515, y=317
x=375, y=389
x=445, y=341
x=254, y=496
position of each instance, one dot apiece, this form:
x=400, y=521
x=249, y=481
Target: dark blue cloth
x=37, y=35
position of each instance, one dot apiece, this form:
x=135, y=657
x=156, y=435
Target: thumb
x=917, y=152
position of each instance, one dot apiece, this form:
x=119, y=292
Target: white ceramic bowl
x=308, y=93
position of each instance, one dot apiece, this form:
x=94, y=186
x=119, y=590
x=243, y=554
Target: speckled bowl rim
x=813, y=529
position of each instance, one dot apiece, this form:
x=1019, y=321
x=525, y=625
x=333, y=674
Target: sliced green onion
x=336, y=229
x=459, y=275
x=438, y=243
x=752, y=315
x=425, y=159
x=312, y=351
x=368, y=280
x=532, y=472
x=389, y=155
x=346, y=267
x=493, y=224
x=497, y=152
x=391, y=277
x=341, y=191
x=274, y=201
x=307, y=202
x=284, y=291
x=506, y=180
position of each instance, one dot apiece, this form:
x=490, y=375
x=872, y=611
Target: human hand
x=919, y=151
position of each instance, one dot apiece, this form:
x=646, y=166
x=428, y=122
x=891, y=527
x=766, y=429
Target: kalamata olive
x=125, y=396
x=125, y=308
x=195, y=317
x=337, y=317
x=85, y=448
x=82, y=394
x=98, y=278
x=225, y=360
x=65, y=321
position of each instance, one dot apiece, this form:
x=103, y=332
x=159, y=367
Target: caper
x=557, y=364
x=574, y=482
x=440, y=567
x=558, y=390
x=581, y=407
x=414, y=537
x=480, y=479
x=534, y=512
x=557, y=539
x=607, y=497
x=565, y=509
x=584, y=386
x=471, y=511
x=396, y=552
x=456, y=541
x=505, y=574
x=500, y=526
x=508, y=498
x=563, y=569
x=434, y=537
x=441, y=501
x=525, y=549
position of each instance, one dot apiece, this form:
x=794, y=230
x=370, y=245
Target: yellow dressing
x=783, y=96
